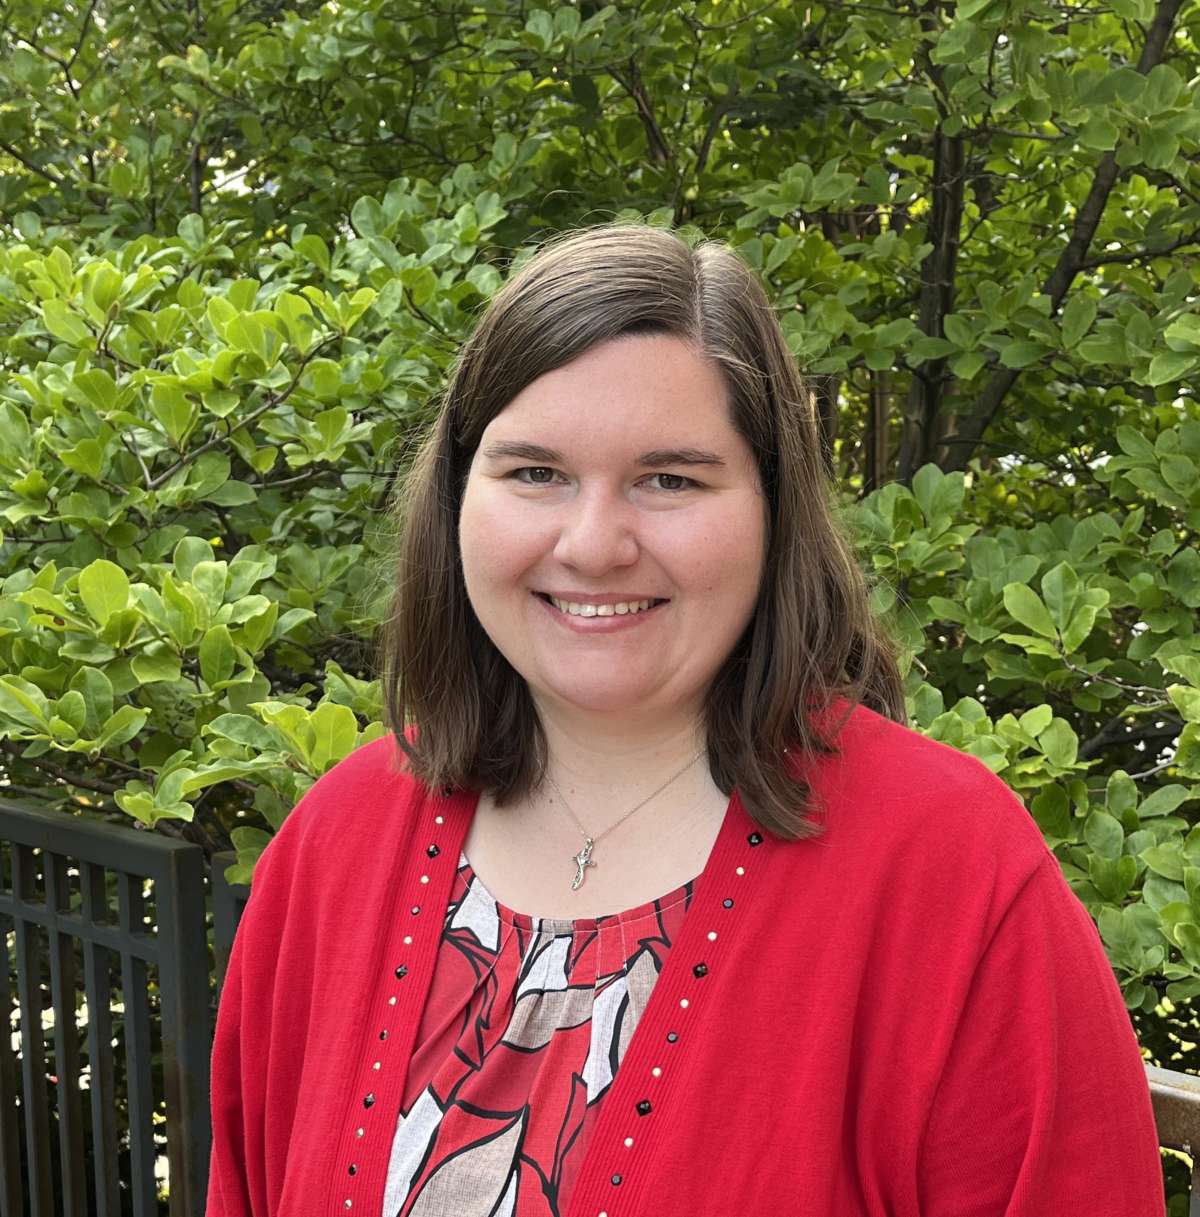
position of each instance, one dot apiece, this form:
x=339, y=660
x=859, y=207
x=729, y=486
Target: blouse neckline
x=577, y=925
x=638, y=912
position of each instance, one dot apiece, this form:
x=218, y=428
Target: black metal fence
x=104, y=1073
x=135, y=915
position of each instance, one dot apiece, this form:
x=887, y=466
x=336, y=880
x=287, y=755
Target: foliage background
x=242, y=242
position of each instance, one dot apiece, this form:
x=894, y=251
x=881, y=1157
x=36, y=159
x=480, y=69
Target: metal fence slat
x=102, y=1083
x=33, y=1077
x=186, y=1032
x=67, y=1063
x=12, y=1192
x=139, y=1088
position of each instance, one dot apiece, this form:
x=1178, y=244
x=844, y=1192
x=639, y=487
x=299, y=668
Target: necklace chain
x=583, y=859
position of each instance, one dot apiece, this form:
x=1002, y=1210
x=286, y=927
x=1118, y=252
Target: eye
x=538, y=475
x=674, y=482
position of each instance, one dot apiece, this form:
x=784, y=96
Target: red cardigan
x=910, y=1015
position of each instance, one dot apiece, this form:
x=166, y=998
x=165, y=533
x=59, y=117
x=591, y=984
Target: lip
x=601, y=625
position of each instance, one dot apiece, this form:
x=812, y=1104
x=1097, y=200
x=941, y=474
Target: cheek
x=496, y=544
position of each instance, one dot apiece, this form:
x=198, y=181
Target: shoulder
x=891, y=785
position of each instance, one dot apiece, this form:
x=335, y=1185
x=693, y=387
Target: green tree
x=242, y=244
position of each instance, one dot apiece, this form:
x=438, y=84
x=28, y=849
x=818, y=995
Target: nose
x=597, y=533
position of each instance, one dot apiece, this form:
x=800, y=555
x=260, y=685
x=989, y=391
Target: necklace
x=583, y=859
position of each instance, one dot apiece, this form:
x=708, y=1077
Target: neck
x=606, y=764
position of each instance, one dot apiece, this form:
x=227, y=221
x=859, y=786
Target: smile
x=619, y=609
x=605, y=615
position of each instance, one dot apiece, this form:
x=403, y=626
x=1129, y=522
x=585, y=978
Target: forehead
x=623, y=392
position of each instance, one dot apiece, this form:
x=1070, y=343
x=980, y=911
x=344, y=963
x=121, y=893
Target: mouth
x=606, y=608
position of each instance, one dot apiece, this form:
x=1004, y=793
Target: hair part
x=812, y=639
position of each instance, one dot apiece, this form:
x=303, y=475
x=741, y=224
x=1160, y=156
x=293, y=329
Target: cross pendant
x=582, y=860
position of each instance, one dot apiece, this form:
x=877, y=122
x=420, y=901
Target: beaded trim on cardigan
x=704, y=908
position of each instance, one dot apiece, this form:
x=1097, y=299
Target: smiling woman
x=651, y=903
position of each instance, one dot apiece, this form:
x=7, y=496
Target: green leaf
x=1111, y=877
x=1060, y=589
x=1021, y=353
x=121, y=727
x=157, y=662
x=335, y=732
x=1165, y=860
x=1026, y=606
x=1169, y=366
x=104, y=589
x=1104, y=834
x=1077, y=319
x=218, y=655
x=1060, y=743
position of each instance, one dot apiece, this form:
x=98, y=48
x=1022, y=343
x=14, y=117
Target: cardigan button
x=644, y=1108
x=755, y=838
x=433, y=851
x=369, y=1101
x=701, y=969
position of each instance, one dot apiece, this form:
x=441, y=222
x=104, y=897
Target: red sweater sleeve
x=1043, y=1108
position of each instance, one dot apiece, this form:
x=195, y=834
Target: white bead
x=628, y=1142
x=683, y=1001
x=741, y=870
x=358, y=1132
x=424, y=878
x=656, y=1071
x=712, y=935
x=349, y=1205
x=438, y=820
x=391, y=1001
x=408, y=939
x=375, y=1066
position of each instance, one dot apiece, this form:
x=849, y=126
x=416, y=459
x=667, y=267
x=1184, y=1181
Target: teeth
x=600, y=610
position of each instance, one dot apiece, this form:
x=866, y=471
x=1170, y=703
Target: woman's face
x=612, y=481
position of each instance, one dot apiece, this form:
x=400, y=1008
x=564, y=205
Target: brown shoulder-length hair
x=811, y=639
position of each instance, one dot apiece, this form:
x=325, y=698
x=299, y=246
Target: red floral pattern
x=526, y=1023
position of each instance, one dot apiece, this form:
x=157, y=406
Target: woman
x=662, y=910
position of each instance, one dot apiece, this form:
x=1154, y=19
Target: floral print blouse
x=526, y=1024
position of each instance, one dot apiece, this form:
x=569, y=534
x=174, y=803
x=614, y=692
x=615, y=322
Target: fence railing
x=117, y=918
x=129, y=911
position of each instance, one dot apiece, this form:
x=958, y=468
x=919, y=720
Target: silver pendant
x=582, y=860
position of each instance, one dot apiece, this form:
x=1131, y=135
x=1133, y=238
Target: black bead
x=672, y=1036
x=402, y=971
x=643, y=1108
x=383, y=1035
x=616, y=1180
x=727, y=903
x=701, y=969
x=755, y=838
x=369, y=1101
x=353, y=1169
x=433, y=851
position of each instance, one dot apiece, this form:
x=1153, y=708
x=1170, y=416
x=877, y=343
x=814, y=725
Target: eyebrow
x=657, y=458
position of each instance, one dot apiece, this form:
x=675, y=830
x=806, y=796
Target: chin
x=599, y=700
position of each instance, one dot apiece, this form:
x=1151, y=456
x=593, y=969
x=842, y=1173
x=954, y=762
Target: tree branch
x=961, y=446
